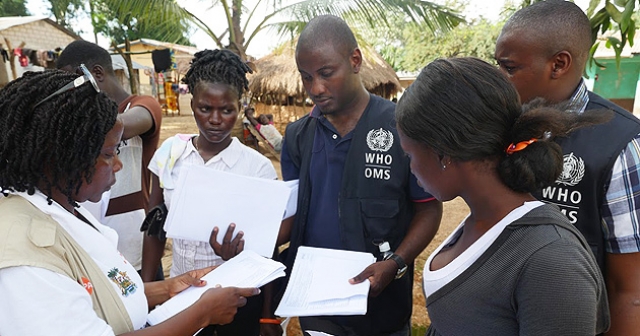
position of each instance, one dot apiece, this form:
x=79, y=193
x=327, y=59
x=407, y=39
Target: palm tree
x=370, y=12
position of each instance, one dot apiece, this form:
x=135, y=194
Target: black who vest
x=374, y=204
x=589, y=155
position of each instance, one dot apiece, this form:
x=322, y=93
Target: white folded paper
x=205, y=198
x=319, y=283
x=247, y=269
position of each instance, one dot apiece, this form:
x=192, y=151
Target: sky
x=264, y=41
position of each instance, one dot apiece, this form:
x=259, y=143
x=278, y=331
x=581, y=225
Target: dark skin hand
x=223, y=313
x=158, y=292
x=215, y=306
x=380, y=274
x=229, y=247
x=422, y=229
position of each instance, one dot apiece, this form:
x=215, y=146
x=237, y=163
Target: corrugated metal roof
x=183, y=48
x=118, y=63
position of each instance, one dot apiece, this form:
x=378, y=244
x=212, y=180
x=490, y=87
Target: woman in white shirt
x=217, y=79
x=60, y=270
x=514, y=266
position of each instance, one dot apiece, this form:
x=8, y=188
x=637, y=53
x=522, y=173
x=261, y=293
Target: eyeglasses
x=86, y=77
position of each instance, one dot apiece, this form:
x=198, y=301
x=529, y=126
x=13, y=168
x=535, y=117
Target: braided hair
x=53, y=145
x=218, y=66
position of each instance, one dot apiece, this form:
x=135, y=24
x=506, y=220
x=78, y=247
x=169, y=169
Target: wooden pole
x=12, y=57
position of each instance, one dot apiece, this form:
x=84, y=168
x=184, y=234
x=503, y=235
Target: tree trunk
x=133, y=79
x=237, y=45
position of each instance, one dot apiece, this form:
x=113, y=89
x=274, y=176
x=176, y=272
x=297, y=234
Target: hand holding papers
x=205, y=198
x=247, y=269
x=319, y=283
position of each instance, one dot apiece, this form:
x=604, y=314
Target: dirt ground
x=454, y=212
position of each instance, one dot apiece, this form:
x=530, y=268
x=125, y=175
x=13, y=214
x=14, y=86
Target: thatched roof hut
x=277, y=75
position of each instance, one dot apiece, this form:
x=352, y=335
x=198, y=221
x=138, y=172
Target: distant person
x=265, y=127
x=60, y=271
x=543, y=49
x=514, y=266
x=356, y=190
x=217, y=79
x=141, y=116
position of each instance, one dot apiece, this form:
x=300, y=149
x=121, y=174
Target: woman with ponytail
x=514, y=266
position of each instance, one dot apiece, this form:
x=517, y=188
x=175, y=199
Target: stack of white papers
x=319, y=283
x=247, y=269
x=205, y=198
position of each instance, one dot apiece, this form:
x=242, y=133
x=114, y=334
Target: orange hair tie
x=519, y=146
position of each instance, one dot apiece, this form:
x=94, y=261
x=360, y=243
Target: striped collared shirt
x=621, y=207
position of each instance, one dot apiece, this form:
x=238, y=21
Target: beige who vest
x=29, y=237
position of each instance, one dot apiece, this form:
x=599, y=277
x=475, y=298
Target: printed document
x=319, y=283
x=205, y=198
x=247, y=269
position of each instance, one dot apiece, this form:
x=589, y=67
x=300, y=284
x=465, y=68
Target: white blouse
x=237, y=159
x=37, y=301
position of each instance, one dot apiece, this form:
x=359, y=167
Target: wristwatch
x=402, y=266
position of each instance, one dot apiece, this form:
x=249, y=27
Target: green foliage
x=289, y=19
x=13, y=8
x=409, y=48
x=118, y=27
x=614, y=16
x=66, y=10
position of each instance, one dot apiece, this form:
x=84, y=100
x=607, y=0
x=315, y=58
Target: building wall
x=36, y=35
x=620, y=85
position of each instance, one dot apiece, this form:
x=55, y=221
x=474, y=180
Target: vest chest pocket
x=379, y=218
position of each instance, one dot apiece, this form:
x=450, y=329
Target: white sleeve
x=267, y=171
x=154, y=166
x=36, y=301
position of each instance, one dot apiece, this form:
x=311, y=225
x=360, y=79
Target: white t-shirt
x=238, y=159
x=36, y=301
x=434, y=280
x=271, y=134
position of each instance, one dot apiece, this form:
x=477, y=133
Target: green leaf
x=615, y=14
x=626, y=15
x=593, y=4
x=622, y=3
x=631, y=32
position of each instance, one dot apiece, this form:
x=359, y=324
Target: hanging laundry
x=161, y=59
x=42, y=57
x=22, y=58
x=32, y=54
x=5, y=55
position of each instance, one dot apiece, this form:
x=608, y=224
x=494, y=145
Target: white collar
x=59, y=213
x=229, y=155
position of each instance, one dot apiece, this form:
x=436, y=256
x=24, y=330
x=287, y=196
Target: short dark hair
x=53, y=145
x=468, y=110
x=87, y=53
x=558, y=25
x=218, y=66
x=327, y=30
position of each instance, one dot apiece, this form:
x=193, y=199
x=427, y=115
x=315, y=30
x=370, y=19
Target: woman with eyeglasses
x=60, y=271
x=514, y=266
